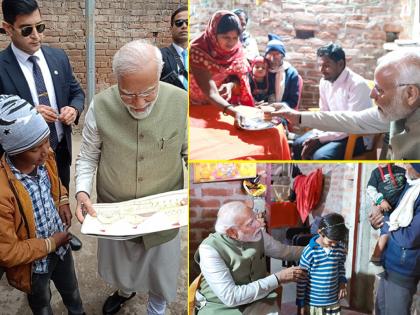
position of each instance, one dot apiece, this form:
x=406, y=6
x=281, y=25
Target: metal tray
x=255, y=124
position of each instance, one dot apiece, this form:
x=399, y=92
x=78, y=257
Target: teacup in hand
x=267, y=110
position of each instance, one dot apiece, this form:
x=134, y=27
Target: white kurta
x=126, y=264
x=155, y=270
x=404, y=134
x=219, y=278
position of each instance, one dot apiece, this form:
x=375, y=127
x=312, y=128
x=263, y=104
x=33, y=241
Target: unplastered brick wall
x=360, y=26
x=116, y=23
x=338, y=189
x=205, y=201
x=65, y=28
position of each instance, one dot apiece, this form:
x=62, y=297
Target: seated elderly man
x=340, y=89
x=283, y=80
x=397, y=96
x=233, y=264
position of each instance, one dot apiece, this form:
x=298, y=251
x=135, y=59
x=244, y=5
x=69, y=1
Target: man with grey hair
x=233, y=265
x=397, y=96
x=135, y=137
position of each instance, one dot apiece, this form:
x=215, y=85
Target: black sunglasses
x=179, y=23
x=27, y=30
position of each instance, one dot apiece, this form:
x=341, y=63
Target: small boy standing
x=324, y=258
x=34, y=211
x=385, y=185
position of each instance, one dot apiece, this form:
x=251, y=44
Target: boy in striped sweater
x=324, y=259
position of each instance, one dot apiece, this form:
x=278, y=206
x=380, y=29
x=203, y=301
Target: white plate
x=137, y=217
x=256, y=124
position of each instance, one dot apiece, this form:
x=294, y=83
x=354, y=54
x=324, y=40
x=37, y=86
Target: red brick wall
x=337, y=194
x=358, y=26
x=116, y=23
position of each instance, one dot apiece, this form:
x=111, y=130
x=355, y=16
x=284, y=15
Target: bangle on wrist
x=225, y=109
x=48, y=245
x=52, y=244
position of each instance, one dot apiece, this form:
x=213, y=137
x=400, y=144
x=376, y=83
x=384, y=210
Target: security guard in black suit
x=175, y=56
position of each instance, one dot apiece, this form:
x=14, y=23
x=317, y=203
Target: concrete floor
x=93, y=289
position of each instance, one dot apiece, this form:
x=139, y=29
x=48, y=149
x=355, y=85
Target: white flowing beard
x=141, y=115
x=144, y=114
x=249, y=237
x=395, y=111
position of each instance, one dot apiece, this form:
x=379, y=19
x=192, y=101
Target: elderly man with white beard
x=135, y=137
x=233, y=265
x=397, y=96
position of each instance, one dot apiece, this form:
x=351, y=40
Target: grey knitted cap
x=21, y=126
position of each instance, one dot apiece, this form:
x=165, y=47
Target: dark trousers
x=333, y=150
x=62, y=157
x=393, y=299
x=64, y=277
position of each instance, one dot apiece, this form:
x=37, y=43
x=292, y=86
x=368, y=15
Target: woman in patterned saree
x=218, y=65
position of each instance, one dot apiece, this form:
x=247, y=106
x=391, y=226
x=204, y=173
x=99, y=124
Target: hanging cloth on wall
x=308, y=189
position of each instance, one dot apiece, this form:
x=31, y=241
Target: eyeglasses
x=129, y=97
x=27, y=30
x=179, y=23
x=381, y=92
x=250, y=222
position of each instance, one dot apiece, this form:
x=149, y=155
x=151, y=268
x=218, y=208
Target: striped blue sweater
x=325, y=273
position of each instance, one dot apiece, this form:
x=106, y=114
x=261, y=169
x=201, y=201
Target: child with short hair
x=385, y=185
x=258, y=79
x=324, y=259
x=34, y=211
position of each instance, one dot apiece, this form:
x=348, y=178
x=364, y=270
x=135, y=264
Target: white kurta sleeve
x=365, y=121
x=278, y=250
x=90, y=150
x=220, y=280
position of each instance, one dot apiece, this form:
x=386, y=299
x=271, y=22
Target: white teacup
x=267, y=109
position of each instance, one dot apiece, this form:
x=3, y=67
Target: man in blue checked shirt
x=34, y=211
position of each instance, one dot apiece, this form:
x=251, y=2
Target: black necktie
x=43, y=98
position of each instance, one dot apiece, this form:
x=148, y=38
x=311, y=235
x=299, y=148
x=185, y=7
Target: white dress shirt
x=349, y=92
x=219, y=278
x=27, y=69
